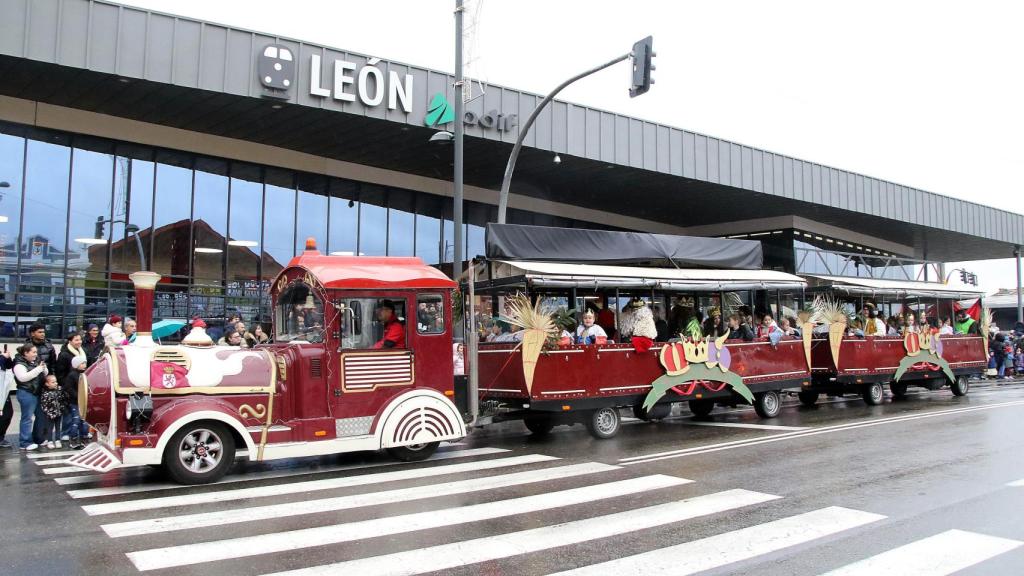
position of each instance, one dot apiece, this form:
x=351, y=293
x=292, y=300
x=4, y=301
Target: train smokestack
x=145, y=285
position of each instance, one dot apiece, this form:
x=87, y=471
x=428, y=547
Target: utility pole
x=457, y=163
x=1020, y=306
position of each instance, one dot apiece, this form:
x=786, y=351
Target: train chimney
x=145, y=284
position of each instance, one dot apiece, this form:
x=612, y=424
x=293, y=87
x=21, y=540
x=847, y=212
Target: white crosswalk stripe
x=468, y=552
x=158, y=486
x=309, y=486
x=263, y=513
x=938, y=555
x=1016, y=483
x=738, y=545
x=335, y=534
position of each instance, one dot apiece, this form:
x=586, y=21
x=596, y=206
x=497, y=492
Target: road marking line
x=69, y=469
x=38, y=455
x=1016, y=483
x=310, y=486
x=812, y=432
x=944, y=553
x=457, y=554
x=335, y=534
x=744, y=425
x=730, y=547
x=53, y=462
x=119, y=490
x=263, y=513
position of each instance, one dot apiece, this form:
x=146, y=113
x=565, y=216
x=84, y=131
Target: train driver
x=394, y=332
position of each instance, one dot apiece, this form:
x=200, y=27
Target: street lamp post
x=457, y=163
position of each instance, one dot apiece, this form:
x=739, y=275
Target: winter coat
x=93, y=349
x=34, y=374
x=67, y=376
x=47, y=354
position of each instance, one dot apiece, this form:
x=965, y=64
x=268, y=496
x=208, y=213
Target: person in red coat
x=394, y=331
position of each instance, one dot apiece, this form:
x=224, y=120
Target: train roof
x=880, y=286
x=358, y=272
x=562, y=275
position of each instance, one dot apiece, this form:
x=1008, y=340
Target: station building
x=134, y=139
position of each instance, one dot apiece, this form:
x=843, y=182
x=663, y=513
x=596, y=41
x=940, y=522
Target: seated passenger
x=874, y=326
x=786, y=327
x=714, y=327
x=590, y=333
x=738, y=329
x=855, y=328
x=767, y=326
x=394, y=332
x=965, y=324
x=909, y=325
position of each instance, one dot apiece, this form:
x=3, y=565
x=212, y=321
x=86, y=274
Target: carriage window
x=430, y=314
x=360, y=327
x=299, y=315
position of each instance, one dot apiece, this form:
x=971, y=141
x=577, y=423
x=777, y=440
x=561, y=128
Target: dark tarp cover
x=574, y=245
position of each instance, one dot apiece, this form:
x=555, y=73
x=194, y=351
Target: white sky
x=925, y=94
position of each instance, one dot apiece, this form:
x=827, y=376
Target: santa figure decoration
x=644, y=330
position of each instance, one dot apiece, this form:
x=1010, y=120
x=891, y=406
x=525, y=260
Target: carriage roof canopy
x=881, y=286
x=542, y=243
x=356, y=272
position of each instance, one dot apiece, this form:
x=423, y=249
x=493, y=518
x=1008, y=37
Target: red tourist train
x=363, y=358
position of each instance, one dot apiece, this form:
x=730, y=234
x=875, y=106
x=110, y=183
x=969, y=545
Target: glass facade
x=77, y=209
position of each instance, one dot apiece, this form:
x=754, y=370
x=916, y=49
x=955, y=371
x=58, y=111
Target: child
x=52, y=401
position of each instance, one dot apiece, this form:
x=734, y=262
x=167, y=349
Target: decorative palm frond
x=529, y=316
x=986, y=320
x=828, y=310
x=804, y=316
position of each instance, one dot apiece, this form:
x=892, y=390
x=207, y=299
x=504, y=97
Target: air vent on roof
x=173, y=356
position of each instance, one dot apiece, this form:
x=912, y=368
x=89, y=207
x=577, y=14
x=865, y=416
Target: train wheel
x=767, y=404
x=808, y=397
x=604, y=423
x=413, y=453
x=539, y=424
x=199, y=453
x=657, y=412
x=701, y=408
x=960, y=386
x=898, y=389
x=873, y=394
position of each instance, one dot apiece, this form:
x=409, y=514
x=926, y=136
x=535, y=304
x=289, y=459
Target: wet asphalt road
x=928, y=479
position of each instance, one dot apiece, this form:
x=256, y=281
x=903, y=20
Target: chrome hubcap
x=200, y=450
x=771, y=403
x=606, y=421
x=876, y=392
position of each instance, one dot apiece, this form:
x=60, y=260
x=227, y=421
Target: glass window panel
x=172, y=212
x=91, y=188
x=311, y=219
x=244, y=285
x=138, y=211
x=401, y=223
x=428, y=238
x=209, y=222
x=344, y=217
x=12, y=156
x=278, y=226
x=47, y=172
x=373, y=221
x=475, y=240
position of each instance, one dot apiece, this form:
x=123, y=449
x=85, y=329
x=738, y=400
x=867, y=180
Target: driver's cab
x=380, y=325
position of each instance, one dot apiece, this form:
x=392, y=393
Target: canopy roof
x=354, y=272
x=522, y=242
x=894, y=287
x=559, y=275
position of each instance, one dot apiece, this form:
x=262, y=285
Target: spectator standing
x=29, y=374
x=47, y=355
x=51, y=400
x=92, y=344
x=71, y=362
x=997, y=350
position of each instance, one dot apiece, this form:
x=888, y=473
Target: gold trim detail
x=282, y=367
x=270, y=405
x=246, y=411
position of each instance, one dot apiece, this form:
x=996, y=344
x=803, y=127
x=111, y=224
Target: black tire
x=960, y=386
x=898, y=389
x=701, y=408
x=415, y=452
x=539, y=424
x=604, y=423
x=199, y=453
x=873, y=394
x=657, y=412
x=808, y=397
x=767, y=404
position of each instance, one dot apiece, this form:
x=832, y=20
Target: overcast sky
x=925, y=94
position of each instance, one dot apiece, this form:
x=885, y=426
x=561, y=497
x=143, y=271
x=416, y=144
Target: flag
x=167, y=376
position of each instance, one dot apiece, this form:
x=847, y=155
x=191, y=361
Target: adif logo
x=276, y=70
x=440, y=112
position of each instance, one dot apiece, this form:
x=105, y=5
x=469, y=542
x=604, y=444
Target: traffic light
x=643, y=64
x=963, y=276
x=98, y=232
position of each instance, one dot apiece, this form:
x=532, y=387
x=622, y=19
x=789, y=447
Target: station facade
x=133, y=139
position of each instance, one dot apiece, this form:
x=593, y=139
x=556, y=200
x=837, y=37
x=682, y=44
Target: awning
x=872, y=286
x=545, y=243
x=560, y=275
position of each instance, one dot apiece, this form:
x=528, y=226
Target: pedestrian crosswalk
x=481, y=510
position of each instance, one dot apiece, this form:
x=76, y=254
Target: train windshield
x=299, y=315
